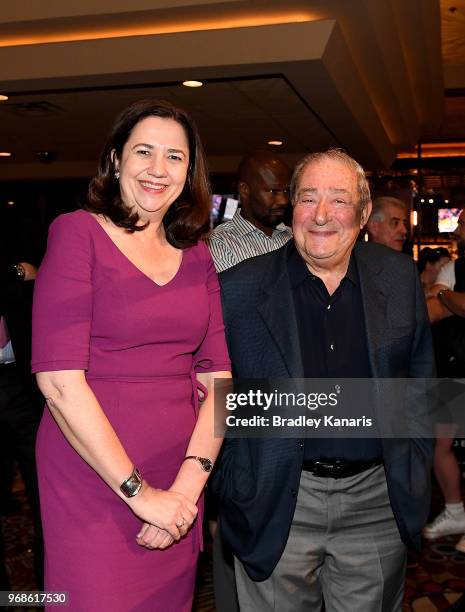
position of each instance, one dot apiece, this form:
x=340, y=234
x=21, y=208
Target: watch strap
x=205, y=463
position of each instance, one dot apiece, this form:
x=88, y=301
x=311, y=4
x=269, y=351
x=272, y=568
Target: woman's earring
x=117, y=175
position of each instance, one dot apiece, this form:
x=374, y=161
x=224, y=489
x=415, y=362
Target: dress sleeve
x=212, y=355
x=62, y=308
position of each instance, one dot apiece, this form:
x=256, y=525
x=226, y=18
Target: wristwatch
x=441, y=295
x=132, y=485
x=205, y=464
x=20, y=271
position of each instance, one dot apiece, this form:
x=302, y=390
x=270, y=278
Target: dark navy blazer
x=257, y=480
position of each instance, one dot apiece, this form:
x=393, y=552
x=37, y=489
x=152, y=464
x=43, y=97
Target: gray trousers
x=344, y=549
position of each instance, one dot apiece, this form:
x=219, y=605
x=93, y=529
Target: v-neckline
x=131, y=263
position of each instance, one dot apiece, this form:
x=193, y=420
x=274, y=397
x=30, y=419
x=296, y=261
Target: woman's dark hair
x=432, y=256
x=187, y=218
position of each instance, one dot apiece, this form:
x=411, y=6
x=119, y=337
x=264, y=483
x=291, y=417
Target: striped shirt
x=238, y=239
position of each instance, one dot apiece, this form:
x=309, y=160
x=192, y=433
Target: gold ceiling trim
x=154, y=28
x=434, y=149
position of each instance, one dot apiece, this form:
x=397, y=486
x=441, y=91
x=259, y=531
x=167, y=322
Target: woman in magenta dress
x=128, y=337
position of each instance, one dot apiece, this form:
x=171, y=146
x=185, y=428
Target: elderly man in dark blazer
x=313, y=520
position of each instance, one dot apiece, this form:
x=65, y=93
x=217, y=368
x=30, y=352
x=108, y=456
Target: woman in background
x=127, y=332
x=430, y=263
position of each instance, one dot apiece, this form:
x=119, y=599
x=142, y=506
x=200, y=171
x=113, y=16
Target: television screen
x=447, y=219
x=216, y=212
x=223, y=208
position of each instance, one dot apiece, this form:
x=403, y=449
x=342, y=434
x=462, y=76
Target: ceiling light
x=446, y=201
x=3, y=97
x=192, y=83
x=275, y=143
x=422, y=200
x=11, y=203
x=5, y=154
x=431, y=201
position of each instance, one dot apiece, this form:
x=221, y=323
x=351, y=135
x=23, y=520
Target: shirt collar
x=246, y=227
x=298, y=271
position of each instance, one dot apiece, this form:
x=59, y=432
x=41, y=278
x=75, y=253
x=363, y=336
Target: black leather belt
x=337, y=468
x=5, y=366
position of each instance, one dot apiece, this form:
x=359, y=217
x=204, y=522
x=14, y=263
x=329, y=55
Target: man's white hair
x=379, y=207
x=363, y=188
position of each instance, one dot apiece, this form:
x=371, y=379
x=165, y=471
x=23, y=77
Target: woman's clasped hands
x=167, y=515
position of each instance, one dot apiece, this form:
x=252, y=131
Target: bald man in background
x=257, y=227
x=388, y=223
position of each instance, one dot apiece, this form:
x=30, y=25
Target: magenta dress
x=141, y=345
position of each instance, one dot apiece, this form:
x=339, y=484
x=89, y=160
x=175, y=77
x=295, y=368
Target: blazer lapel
x=375, y=293
x=276, y=307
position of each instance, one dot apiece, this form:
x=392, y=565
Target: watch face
x=20, y=271
x=207, y=465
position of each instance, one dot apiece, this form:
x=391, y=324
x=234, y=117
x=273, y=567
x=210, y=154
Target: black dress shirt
x=333, y=344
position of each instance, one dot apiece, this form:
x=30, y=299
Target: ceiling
x=453, y=42
x=367, y=75
x=452, y=126
x=233, y=115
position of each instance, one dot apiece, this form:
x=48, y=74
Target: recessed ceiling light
x=192, y=83
x=446, y=201
x=275, y=143
x=3, y=97
x=5, y=154
x=11, y=203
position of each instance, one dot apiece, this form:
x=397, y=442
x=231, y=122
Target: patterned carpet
x=18, y=537
x=435, y=578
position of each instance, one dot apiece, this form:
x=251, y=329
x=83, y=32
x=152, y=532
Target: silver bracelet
x=132, y=485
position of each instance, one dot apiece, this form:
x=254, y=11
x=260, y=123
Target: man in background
x=388, y=223
x=257, y=227
x=446, y=308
